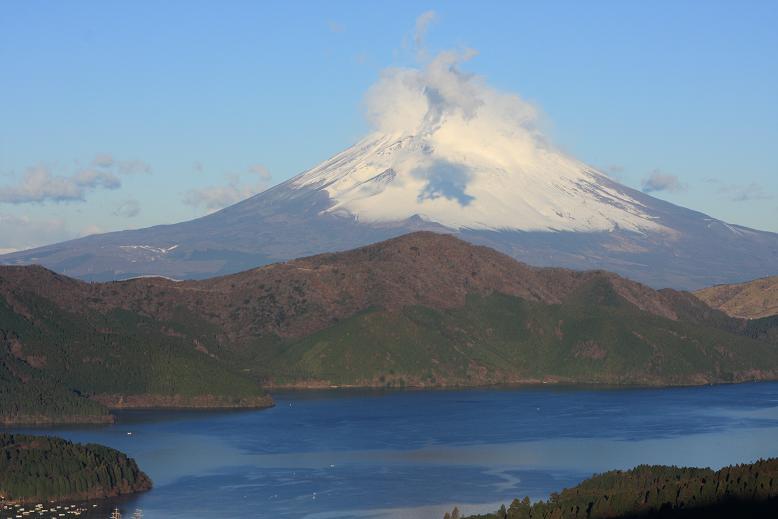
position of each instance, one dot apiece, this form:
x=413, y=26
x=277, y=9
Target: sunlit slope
x=751, y=300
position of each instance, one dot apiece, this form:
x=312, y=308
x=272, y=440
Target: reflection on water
x=415, y=454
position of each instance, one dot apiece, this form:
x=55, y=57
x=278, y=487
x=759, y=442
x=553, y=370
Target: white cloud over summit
x=438, y=96
x=449, y=148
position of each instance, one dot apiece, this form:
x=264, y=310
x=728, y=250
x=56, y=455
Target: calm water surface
x=417, y=453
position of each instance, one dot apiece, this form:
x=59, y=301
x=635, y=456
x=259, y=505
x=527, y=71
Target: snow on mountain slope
x=452, y=150
x=453, y=179
x=449, y=154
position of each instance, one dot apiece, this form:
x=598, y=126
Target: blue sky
x=127, y=114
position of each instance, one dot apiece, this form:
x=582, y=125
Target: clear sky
x=120, y=115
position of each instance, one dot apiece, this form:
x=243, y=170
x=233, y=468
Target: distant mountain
x=533, y=203
x=420, y=310
x=751, y=300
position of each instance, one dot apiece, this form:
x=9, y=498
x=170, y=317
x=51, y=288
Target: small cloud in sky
x=94, y=178
x=132, y=167
x=128, y=209
x=752, y=191
x=39, y=184
x=261, y=171
x=237, y=188
x=103, y=160
x=335, y=27
x=423, y=22
x=123, y=167
x=658, y=181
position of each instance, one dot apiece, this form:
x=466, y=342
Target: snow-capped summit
x=449, y=149
x=456, y=181
x=450, y=154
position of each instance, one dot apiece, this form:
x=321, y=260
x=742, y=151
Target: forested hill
x=27, y=396
x=420, y=310
x=659, y=492
x=69, y=363
x=42, y=468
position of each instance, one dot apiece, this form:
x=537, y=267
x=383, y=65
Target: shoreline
x=529, y=384
x=208, y=403
x=144, y=403
x=117, y=402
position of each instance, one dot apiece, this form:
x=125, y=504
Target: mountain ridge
x=676, y=247
x=421, y=310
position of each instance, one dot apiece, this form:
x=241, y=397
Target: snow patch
x=459, y=181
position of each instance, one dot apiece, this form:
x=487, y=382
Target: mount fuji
x=448, y=154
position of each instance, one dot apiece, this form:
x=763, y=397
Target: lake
x=409, y=454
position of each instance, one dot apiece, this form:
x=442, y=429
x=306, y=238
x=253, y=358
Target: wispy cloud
x=752, y=191
x=94, y=179
x=238, y=188
x=132, y=167
x=103, y=160
x=423, y=22
x=123, y=167
x=335, y=27
x=659, y=181
x=439, y=96
x=39, y=184
x=128, y=209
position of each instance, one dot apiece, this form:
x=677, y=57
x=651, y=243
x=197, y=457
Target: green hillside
x=26, y=397
x=504, y=339
x=54, y=359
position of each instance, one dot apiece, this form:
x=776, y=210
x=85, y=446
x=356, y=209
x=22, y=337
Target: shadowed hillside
x=421, y=310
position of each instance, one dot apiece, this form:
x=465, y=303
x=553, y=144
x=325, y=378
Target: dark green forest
x=596, y=337
x=42, y=468
x=26, y=397
x=51, y=364
x=749, y=490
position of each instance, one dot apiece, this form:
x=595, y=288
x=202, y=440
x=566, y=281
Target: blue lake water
x=418, y=453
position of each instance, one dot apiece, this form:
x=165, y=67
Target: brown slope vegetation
x=299, y=297
x=751, y=300
x=423, y=309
